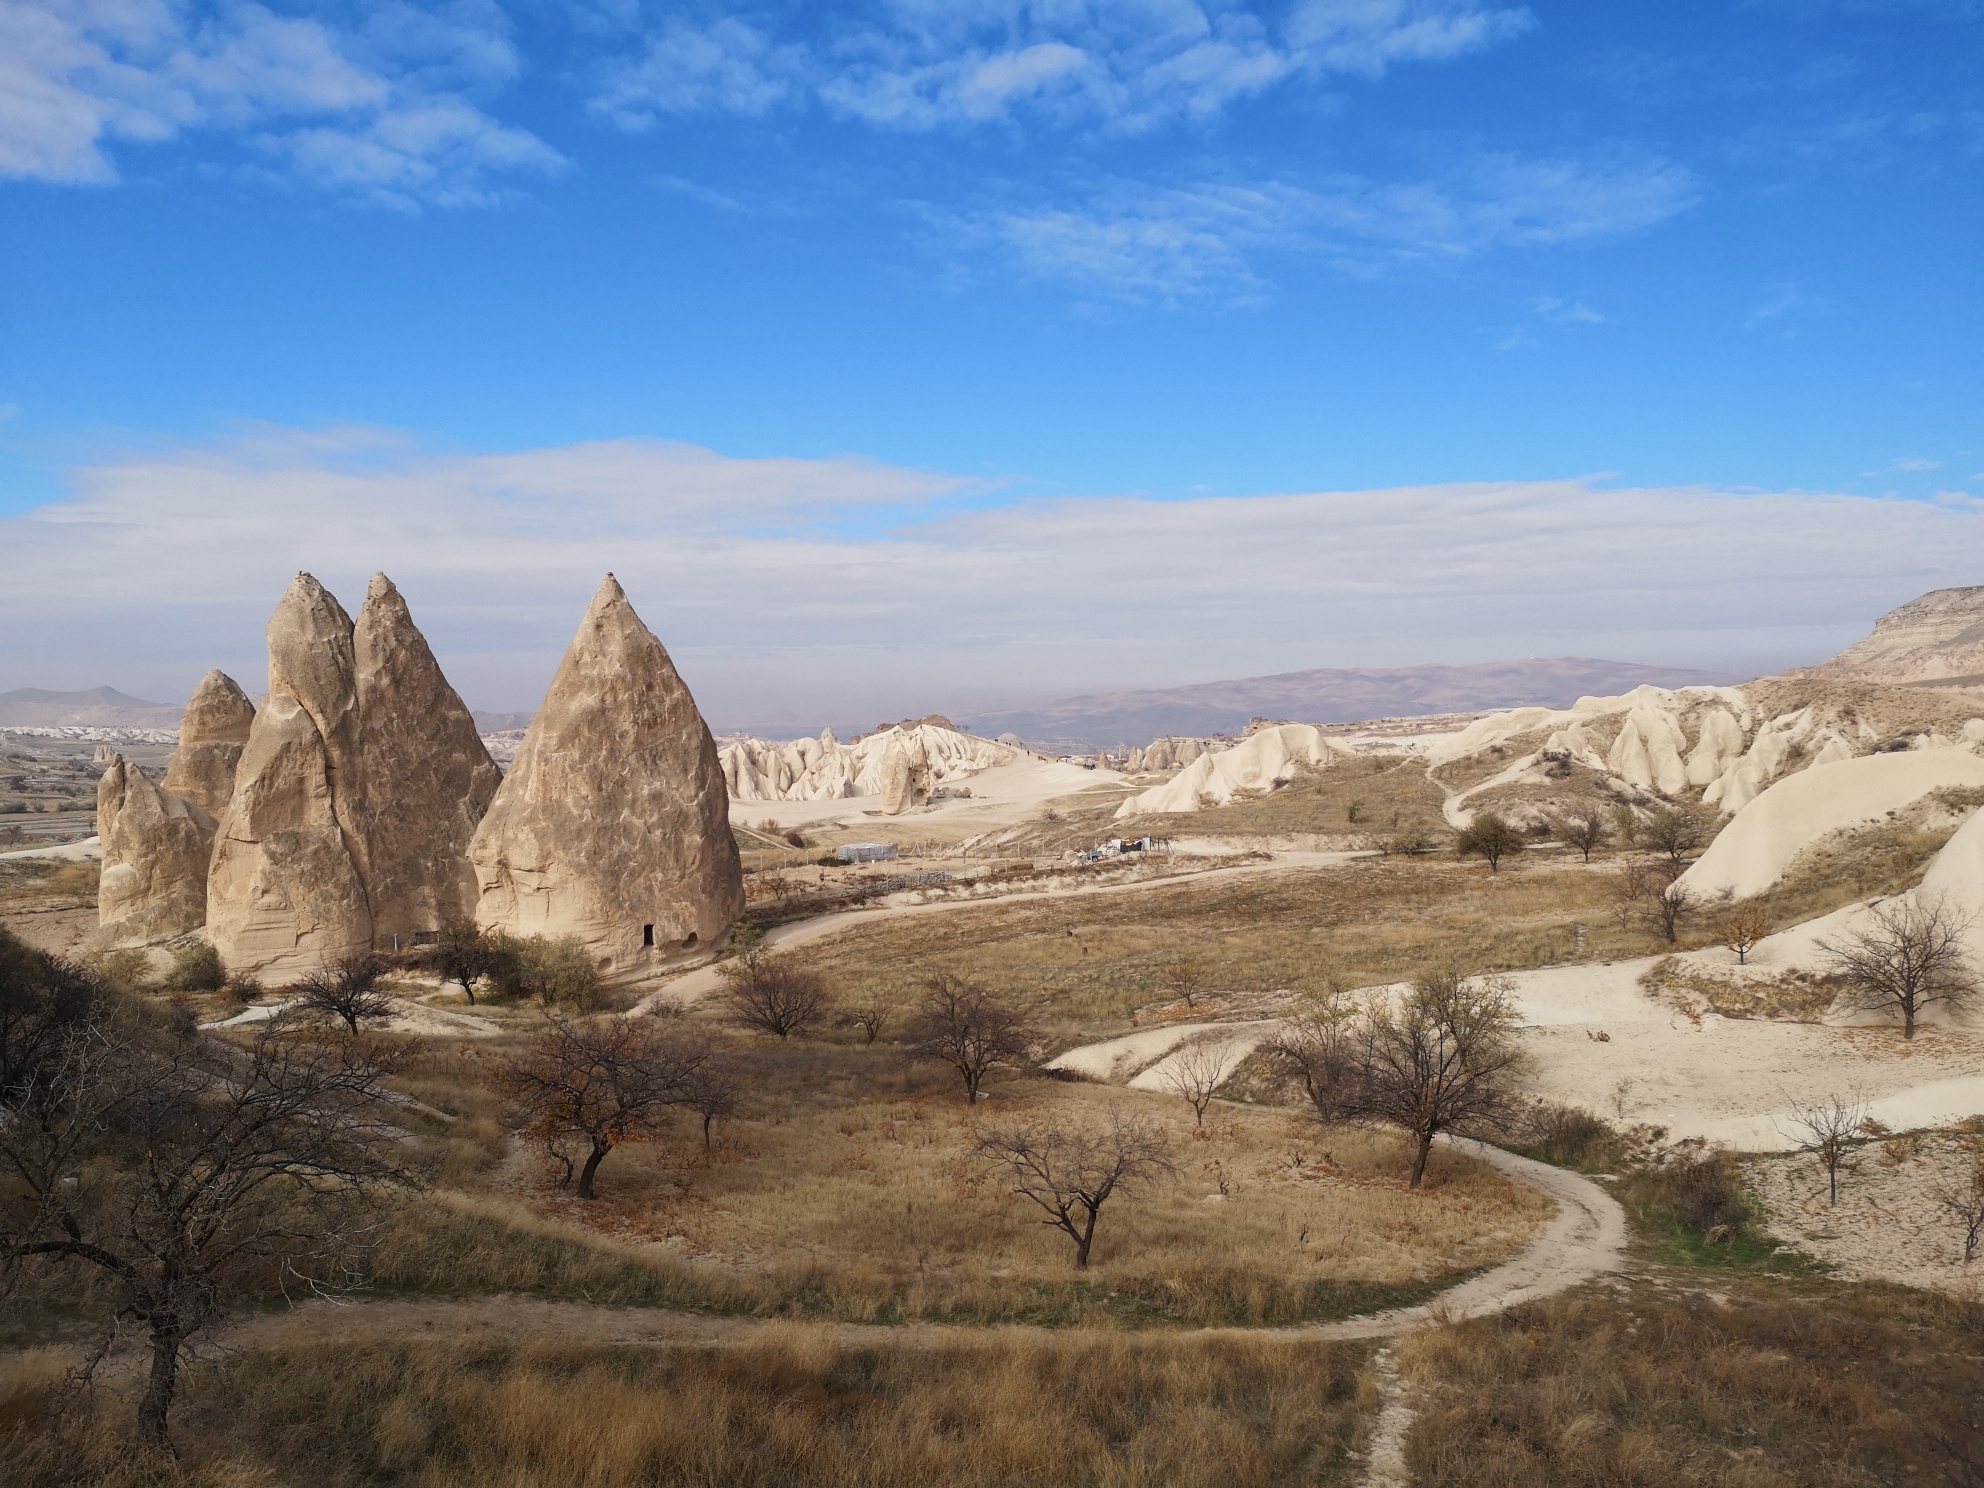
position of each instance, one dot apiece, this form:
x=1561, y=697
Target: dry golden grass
x=1384, y=788
x=867, y=1204
x=1093, y=959
x=791, y=1406
x=1758, y=1385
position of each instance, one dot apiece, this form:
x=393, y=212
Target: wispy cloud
x=1913, y=463
x=875, y=586
x=373, y=105
x=1577, y=312
x=1171, y=245
x=1123, y=64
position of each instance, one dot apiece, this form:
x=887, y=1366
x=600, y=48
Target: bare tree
x=1184, y=978
x=463, y=954
x=184, y=1167
x=1318, y=1042
x=774, y=994
x=1490, y=837
x=1673, y=833
x=1196, y=1070
x=1909, y=959
x=710, y=1089
x=348, y=989
x=1832, y=1130
x=1963, y=1198
x=1071, y=1172
x=1583, y=828
x=871, y=1011
x=1650, y=892
x=599, y=1085
x=1745, y=927
x=961, y=1024
x=1444, y=1059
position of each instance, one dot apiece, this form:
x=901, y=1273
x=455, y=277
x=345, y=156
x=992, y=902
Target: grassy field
x=792, y=1406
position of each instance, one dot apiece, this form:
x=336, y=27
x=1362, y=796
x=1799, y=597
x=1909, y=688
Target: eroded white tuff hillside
x=1262, y=761
x=926, y=757
x=613, y=825
x=1721, y=746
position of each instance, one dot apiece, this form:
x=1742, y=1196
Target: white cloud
x=1551, y=307
x=377, y=108
x=1170, y=245
x=1127, y=64
x=1917, y=463
x=838, y=586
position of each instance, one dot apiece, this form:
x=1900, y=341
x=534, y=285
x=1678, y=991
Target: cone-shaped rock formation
x=613, y=824
x=905, y=772
x=285, y=893
x=428, y=778
x=356, y=794
x=211, y=738
x=155, y=850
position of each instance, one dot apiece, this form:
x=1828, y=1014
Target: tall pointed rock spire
x=613, y=824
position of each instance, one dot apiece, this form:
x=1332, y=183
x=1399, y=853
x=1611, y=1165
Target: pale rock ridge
x=1939, y=636
x=428, y=778
x=824, y=769
x=1170, y=753
x=155, y=850
x=212, y=734
x=1752, y=852
x=1270, y=758
x=613, y=824
x=286, y=890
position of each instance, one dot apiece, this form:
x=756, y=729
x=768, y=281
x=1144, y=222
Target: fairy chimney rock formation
x=285, y=893
x=155, y=850
x=211, y=737
x=613, y=824
x=359, y=788
x=905, y=774
x=428, y=778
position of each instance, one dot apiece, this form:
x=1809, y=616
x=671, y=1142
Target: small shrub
x=552, y=971
x=196, y=968
x=127, y=970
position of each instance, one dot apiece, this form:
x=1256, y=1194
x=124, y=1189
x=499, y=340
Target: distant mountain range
x=1117, y=720
x=100, y=707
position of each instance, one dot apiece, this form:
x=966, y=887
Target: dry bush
x=774, y=994
x=1753, y=1387
x=790, y=1406
x=348, y=991
x=1912, y=957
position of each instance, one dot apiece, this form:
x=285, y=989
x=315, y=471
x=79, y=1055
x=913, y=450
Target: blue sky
x=1035, y=261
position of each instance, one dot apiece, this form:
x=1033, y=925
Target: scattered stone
x=212, y=735
x=613, y=825
x=155, y=850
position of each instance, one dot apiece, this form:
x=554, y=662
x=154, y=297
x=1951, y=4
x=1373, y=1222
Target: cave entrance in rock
x=647, y=935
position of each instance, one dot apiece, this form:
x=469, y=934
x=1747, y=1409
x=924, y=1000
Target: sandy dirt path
x=1586, y=1238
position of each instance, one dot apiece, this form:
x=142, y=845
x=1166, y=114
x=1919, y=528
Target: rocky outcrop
x=356, y=793
x=613, y=825
x=824, y=769
x=428, y=778
x=212, y=735
x=1171, y=753
x=905, y=773
x=155, y=850
x=286, y=891
x=1265, y=761
x=1937, y=638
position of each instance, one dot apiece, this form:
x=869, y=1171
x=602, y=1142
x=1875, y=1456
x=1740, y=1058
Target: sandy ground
x=1730, y=1080
x=408, y=1016
x=88, y=850
x=1888, y=1224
